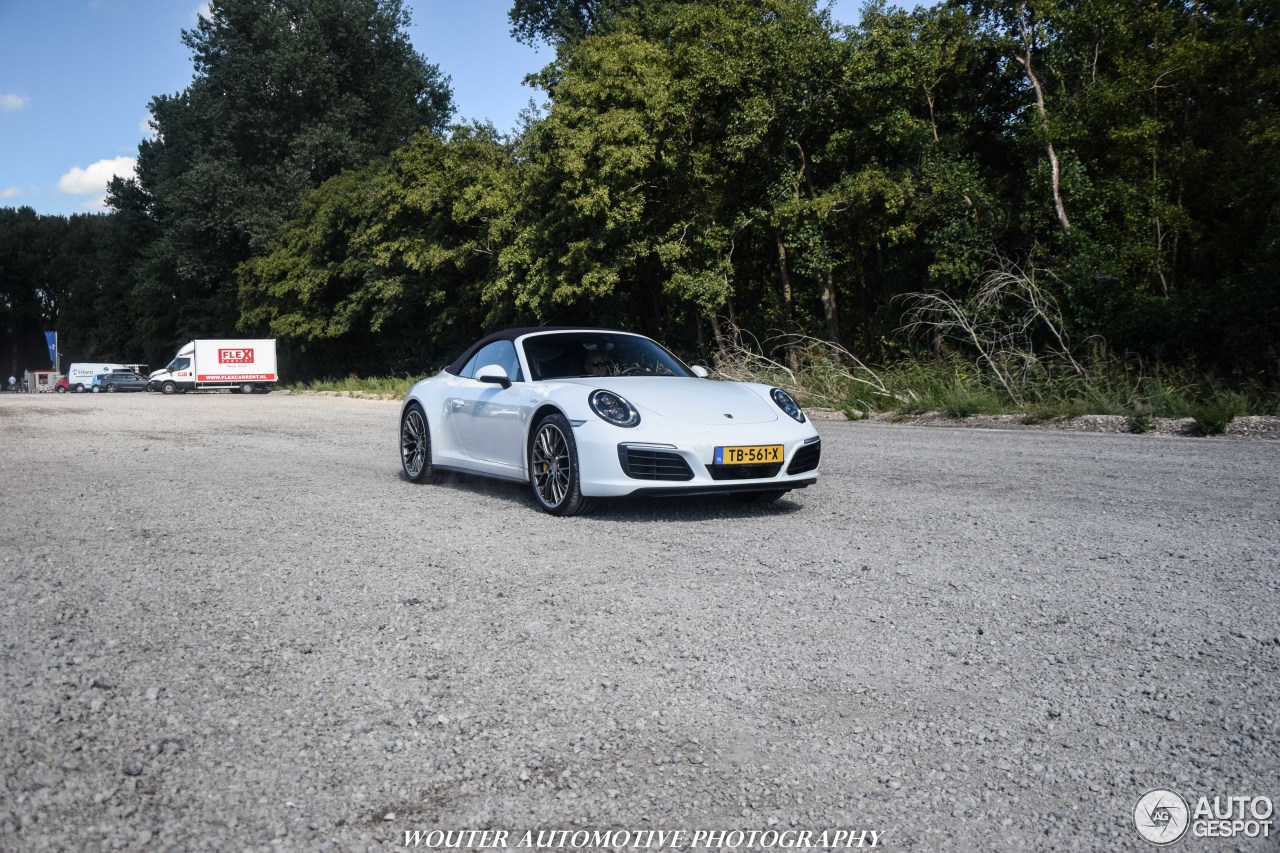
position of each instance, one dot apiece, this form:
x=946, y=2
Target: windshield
x=564, y=355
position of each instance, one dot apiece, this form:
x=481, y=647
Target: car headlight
x=787, y=404
x=613, y=408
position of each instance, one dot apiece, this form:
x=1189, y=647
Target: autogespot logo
x=1161, y=816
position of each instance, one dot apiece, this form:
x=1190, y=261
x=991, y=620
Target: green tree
x=383, y=267
x=563, y=21
x=675, y=146
x=286, y=95
x=1164, y=118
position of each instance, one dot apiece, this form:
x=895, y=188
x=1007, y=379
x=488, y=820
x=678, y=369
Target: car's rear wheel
x=60, y=390
x=246, y=387
x=415, y=446
x=759, y=497
x=553, y=468
x=79, y=388
x=96, y=389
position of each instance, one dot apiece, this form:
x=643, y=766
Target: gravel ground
x=229, y=624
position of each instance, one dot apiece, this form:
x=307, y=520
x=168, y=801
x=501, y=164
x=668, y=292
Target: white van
x=80, y=375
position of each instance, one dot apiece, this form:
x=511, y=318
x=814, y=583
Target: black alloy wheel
x=553, y=467
x=415, y=446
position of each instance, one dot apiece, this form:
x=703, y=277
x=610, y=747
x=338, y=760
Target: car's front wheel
x=111, y=389
x=168, y=388
x=553, y=467
x=415, y=446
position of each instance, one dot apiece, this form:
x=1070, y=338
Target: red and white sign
x=236, y=377
x=233, y=362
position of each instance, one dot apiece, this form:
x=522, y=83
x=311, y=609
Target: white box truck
x=243, y=366
x=80, y=375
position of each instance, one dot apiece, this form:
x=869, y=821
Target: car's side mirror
x=494, y=374
x=700, y=371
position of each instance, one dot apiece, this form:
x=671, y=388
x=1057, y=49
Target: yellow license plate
x=760, y=454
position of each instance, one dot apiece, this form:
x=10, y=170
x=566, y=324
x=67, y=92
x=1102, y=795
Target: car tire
x=246, y=387
x=168, y=388
x=553, y=468
x=415, y=446
x=111, y=389
x=60, y=390
x=96, y=389
x=759, y=497
x=79, y=389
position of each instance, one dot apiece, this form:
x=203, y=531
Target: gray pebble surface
x=228, y=623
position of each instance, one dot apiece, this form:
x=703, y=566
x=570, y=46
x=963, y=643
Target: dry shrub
x=1012, y=324
x=829, y=376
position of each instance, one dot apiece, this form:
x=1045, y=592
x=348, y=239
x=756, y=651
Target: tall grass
x=1106, y=385
x=394, y=387
x=1041, y=389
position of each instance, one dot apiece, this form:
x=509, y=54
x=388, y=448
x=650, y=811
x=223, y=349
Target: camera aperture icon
x=1161, y=816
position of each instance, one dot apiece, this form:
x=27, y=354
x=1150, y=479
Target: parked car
x=119, y=380
x=585, y=413
x=62, y=386
x=96, y=384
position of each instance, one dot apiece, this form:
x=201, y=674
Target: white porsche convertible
x=589, y=413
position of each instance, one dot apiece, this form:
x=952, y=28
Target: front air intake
x=806, y=458
x=645, y=463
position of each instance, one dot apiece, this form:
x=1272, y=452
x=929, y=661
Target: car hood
x=691, y=401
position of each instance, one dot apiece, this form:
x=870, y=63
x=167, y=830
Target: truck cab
x=178, y=375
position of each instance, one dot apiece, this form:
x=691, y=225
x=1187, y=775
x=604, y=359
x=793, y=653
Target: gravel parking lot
x=229, y=624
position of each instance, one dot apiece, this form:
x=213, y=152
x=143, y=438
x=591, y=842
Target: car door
x=486, y=416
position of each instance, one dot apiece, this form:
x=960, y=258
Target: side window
x=469, y=370
x=502, y=353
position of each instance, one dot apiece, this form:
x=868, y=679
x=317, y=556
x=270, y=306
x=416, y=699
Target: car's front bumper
x=616, y=462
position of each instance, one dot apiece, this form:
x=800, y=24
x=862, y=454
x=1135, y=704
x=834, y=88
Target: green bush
x=963, y=400
x=1213, y=415
x=1139, y=422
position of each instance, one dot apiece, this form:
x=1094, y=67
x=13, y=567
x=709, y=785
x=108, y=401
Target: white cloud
x=95, y=177
x=10, y=192
x=12, y=103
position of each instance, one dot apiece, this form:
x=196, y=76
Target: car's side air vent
x=645, y=463
x=806, y=458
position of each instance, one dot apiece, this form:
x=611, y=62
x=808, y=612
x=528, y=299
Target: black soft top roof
x=510, y=335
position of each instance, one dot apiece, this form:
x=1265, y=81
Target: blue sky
x=76, y=76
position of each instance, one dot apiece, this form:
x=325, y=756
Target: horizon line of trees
x=696, y=165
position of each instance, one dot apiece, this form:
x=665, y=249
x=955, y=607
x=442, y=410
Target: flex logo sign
x=235, y=356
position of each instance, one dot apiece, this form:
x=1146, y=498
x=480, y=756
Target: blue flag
x=51, y=338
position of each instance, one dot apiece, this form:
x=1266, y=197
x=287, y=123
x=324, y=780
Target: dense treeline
x=697, y=164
